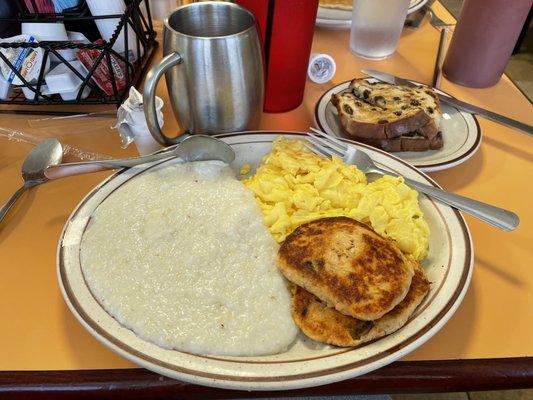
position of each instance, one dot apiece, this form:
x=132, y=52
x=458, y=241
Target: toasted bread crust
x=405, y=143
x=428, y=131
x=325, y=324
x=347, y=265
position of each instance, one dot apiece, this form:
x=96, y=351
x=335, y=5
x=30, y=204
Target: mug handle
x=150, y=86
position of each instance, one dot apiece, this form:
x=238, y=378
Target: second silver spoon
x=192, y=148
x=48, y=152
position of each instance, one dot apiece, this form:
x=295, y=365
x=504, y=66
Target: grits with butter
x=294, y=186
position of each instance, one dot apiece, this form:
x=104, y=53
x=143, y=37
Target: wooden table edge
x=399, y=377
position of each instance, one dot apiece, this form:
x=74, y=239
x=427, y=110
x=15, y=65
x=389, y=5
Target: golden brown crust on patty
x=347, y=265
x=325, y=324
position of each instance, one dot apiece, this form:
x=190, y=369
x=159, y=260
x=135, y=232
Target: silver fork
x=434, y=20
x=326, y=145
x=445, y=29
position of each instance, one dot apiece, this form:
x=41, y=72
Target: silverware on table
x=414, y=19
x=434, y=20
x=46, y=153
x=213, y=67
x=461, y=105
x=326, y=145
x=444, y=27
x=191, y=148
x=439, y=59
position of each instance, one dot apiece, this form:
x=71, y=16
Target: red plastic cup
x=286, y=28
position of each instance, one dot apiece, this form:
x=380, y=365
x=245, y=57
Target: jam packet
x=102, y=75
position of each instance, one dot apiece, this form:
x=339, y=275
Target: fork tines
x=329, y=138
x=321, y=143
x=317, y=145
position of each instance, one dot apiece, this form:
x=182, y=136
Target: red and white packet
x=101, y=75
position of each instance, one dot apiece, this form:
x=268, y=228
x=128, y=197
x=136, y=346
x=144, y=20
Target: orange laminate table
x=486, y=345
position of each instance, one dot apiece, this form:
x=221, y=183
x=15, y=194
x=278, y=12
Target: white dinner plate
x=306, y=363
x=342, y=19
x=460, y=133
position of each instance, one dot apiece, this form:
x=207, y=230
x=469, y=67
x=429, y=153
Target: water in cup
x=376, y=27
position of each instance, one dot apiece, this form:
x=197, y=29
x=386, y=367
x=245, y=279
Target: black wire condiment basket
x=136, y=17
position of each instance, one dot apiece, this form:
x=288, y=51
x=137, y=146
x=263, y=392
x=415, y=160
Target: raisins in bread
x=392, y=117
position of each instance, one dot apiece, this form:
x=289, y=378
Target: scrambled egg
x=245, y=169
x=294, y=186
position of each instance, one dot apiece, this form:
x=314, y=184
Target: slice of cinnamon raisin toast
x=391, y=117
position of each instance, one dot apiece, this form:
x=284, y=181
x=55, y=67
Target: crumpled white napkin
x=132, y=126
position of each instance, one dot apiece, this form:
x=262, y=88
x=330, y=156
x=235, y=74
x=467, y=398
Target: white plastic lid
x=321, y=68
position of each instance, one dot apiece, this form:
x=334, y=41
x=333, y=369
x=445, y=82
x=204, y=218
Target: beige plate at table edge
x=344, y=21
x=308, y=366
x=451, y=154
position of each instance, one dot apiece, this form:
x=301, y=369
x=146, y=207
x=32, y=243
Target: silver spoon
x=191, y=148
x=203, y=148
x=46, y=153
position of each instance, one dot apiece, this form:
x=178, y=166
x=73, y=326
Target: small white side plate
x=460, y=132
x=342, y=19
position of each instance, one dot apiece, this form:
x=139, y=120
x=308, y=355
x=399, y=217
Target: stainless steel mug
x=214, y=70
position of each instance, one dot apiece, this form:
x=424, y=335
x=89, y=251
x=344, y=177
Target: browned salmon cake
x=325, y=324
x=347, y=265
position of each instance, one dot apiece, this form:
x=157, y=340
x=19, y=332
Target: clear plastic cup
x=376, y=27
